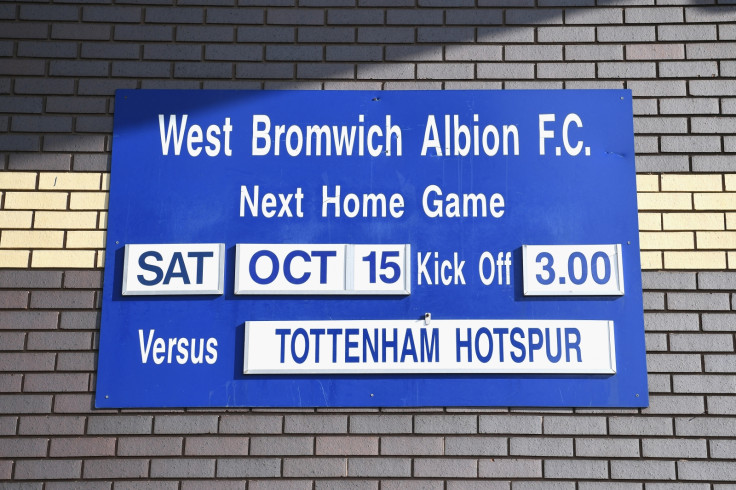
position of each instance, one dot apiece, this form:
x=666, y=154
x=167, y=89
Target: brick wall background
x=60, y=63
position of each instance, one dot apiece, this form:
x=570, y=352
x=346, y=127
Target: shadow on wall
x=56, y=70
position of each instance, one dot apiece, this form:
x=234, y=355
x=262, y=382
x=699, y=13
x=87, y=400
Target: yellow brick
x=31, y=239
x=77, y=181
x=15, y=219
x=105, y=182
x=647, y=183
x=731, y=221
x=694, y=260
x=672, y=240
x=35, y=200
x=100, y=258
x=14, y=258
x=664, y=200
x=650, y=221
x=716, y=240
x=716, y=200
x=103, y=221
x=17, y=180
x=732, y=260
x=63, y=259
x=66, y=220
x=730, y=182
x=88, y=200
x=651, y=260
x=693, y=221
x=691, y=182
x=85, y=239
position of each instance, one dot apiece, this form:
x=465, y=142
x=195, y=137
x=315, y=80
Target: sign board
x=308, y=249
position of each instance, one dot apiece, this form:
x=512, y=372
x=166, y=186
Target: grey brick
x=51, y=424
x=626, y=34
x=73, y=143
x=445, y=34
x=77, y=31
x=566, y=34
x=315, y=424
x=51, y=469
x=445, y=424
x=668, y=280
x=203, y=70
x=659, y=383
x=510, y=424
x=706, y=470
x=660, y=15
x=674, y=448
x=59, y=340
x=361, y=16
x=237, y=16
x=660, y=125
x=662, y=163
x=235, y=52
x=49, y=12
x=594, y=16
x=566, y=70
x=413, y=484
x=479, y=52
x=711, y=124
x=16, y=104
x=506, y=35
x=671, y=321
x=412, y=445
x=389, y=71
x=170, y=52
x=109, y=51
x=722, y=448
x=217, y=446
x=541, y=446
x=689, y=69
x=641, y=426
x=698, y=301
x=713, y=383
x=56, y=382
x=24, y=448
x=607, y=447
x=354, y=53
x=533, y=17
x=712, y=87
x=251, y=424
x=78, y=320
x=150, y=446
x=27, y=361
x=686, y=32
x=207, y=33
x=25, y=30
x=653, y=301
x=288, y=484
x=294, y=53
x=380, y=424
x=718, y=322
x=76, y=361
x=65, y=447
x=445, y=71
x=182, y=468
x=346, y=445
x=30, y=279
x=185, y=424
x=673, y=363
x=115, y=468
x=509, y=468
x=710, y=51
x=295, y=16
x=326, y=35
x=474, y=17
x=116, y=14
x=120, y=424
x=705, y=426
x=627, y=70
x=473, y=446
x=581, y=469
x=575, y=425
x=505, y=71
x=323, y=71
x=315, y=467
x=379, y=467
x=701, y=342
x=663, y=404
x=413, y=17
x=646, y=470
x=533, y=53
x=47, y=49
x=9, y=383
x=127, y=32
x=689, y=106
x=445, y=468
x=264, y=70
x=386, y=35
x=176, y=15
x=280, y=446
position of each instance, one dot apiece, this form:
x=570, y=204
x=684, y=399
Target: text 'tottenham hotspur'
x=444, y=135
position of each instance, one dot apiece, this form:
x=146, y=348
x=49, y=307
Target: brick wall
x=59, y=66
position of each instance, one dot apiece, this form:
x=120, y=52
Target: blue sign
x=340, y=249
